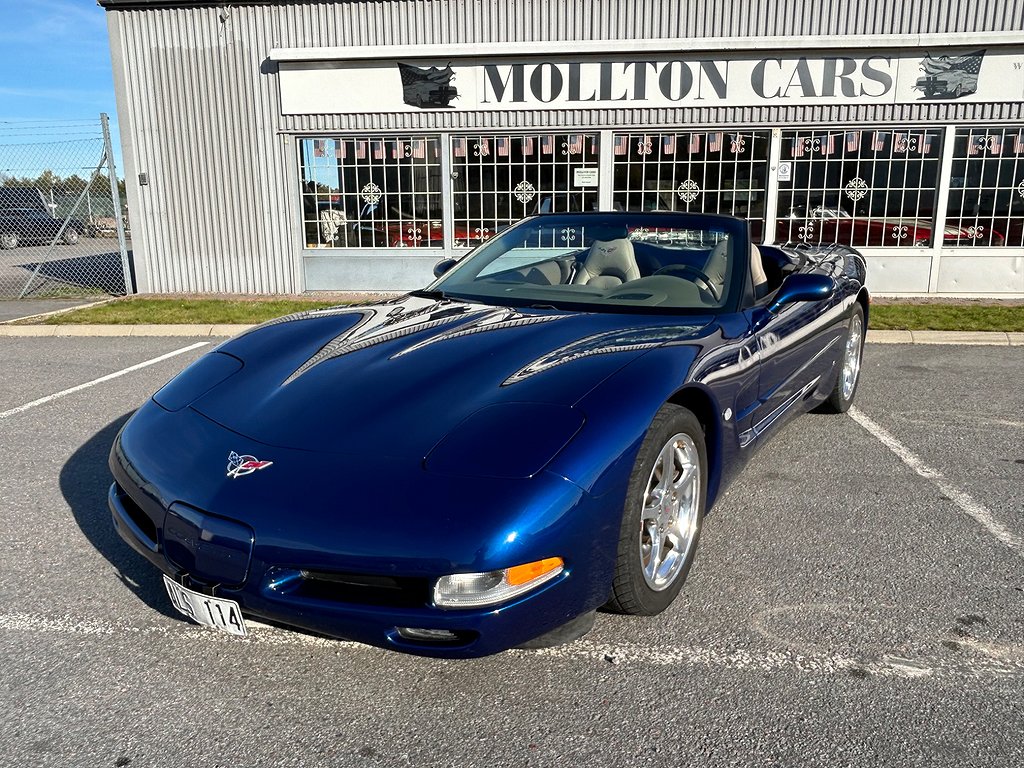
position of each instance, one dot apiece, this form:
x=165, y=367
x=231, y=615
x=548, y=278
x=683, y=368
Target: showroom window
x=371, y=191
x=859, y=187
x=498, y=179
x=704, y=172
x=986, y=191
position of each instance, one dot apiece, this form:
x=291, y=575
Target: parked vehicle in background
x=22, y=197
x=32, y=226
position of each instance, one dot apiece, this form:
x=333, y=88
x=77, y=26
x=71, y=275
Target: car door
x=797, y=350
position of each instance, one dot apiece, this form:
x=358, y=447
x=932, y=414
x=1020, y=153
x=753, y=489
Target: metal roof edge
x=659, y=45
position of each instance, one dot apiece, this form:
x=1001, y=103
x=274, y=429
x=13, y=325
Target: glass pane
x=371, y=191
x=498, y=179
x=702, y=172
x=986, y=193
x=859, y=187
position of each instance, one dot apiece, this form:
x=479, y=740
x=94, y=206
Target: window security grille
x=986, y=193
x=704, y=172
x=371, y=191
x=498, y=179
x=857, y=187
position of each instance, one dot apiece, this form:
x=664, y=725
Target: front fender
x=618, y=412
x=711, y=376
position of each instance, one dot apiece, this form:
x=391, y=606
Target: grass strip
x=139, y=311
x=891, y=315
x=946, y=317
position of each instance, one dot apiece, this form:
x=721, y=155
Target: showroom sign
x=883, y=77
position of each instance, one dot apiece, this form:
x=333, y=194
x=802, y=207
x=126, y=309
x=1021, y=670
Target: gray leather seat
x=716, y=267
x=608, y=264
x=760, y=279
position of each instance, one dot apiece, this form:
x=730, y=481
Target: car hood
x=394, y=378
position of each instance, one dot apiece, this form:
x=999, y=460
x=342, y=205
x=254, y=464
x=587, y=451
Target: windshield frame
x=737, y=229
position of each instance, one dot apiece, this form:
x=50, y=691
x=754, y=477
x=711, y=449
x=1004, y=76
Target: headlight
x=473, y=590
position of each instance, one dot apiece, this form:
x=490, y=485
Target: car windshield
x=608, y=262
x=611, y=262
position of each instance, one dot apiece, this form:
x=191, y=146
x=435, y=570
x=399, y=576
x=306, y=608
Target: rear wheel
x=662, y=518
x=9, y=241
x=70, y=236
x=841, y=397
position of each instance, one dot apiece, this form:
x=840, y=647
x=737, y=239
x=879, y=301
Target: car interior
x=627, y=270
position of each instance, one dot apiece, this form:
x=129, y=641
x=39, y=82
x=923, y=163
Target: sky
x=54, y=65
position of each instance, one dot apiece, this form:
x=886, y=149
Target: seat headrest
x=611, y=260
x=613, y=257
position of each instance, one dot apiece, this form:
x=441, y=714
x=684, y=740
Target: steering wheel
x=694, y=275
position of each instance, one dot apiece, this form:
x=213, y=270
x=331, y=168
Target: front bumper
x=351, y=593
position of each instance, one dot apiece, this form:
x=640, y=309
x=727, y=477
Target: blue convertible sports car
x=482, y=464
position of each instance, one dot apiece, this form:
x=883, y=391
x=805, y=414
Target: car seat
x=757, y=273
x=608, y=264
x=716, y=267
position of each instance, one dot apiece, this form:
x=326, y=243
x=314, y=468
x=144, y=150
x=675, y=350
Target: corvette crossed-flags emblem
x=244, y=464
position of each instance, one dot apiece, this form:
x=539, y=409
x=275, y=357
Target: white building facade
x=282, y=147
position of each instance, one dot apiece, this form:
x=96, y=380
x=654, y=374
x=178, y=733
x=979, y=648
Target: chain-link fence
x=63, y=225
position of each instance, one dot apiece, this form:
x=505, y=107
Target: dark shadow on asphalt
x=97, y=272
x=84, y=481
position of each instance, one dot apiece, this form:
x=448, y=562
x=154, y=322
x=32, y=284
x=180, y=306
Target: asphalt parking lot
x=858, y=599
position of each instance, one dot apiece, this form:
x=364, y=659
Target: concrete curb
x=966, y=338
x=124, y=330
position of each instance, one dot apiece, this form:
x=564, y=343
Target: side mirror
x=802, y=288
x=443, y=266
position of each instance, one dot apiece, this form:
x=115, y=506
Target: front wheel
x=662, y=519
x=841, y=397
x=70, y=236
x=8, y=241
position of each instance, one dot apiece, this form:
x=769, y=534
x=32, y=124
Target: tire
x=647, y=581
x=9, y=241
x=70, y=236
x=845, y=389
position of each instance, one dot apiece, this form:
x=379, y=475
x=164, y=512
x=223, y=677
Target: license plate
x=215, y=612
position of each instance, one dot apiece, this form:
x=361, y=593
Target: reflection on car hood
x=394, y=378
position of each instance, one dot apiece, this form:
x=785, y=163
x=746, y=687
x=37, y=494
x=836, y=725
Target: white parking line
x=100, y=380
x=969, y=506
x=981, y=663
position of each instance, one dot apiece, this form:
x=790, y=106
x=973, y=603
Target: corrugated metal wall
x=199, y=112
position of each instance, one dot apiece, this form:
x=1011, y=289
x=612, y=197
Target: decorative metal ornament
x=976, y=232
x=905, y=143
x=1020, y=188
x=240, y=465
x=856, y=189
x=688, y=191
x=371, y=194
x=482, y=233
x=899, y=232
x=568, y=233
x=644, y=147
x=806, y=232
x=524, y=191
